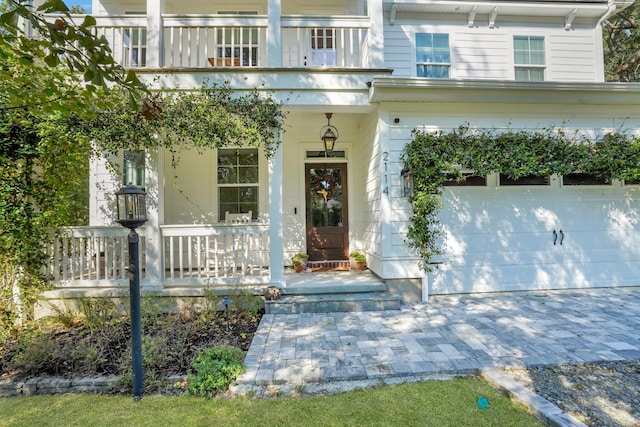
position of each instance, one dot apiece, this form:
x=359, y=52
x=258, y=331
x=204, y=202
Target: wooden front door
x=326, y=211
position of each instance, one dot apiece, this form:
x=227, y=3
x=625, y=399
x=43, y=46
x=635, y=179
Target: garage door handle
x=555, y=237
x=561, y=237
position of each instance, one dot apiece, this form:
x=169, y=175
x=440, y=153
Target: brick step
x=331, y=303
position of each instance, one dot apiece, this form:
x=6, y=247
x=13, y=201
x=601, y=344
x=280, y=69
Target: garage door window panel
x=578, y=178
x=506, y=181
x=464, y=179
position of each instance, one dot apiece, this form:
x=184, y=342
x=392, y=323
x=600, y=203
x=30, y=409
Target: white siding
x=191, y=194
x=572, y=56
x=371, y=237
x=483, y=53
x=103, y=184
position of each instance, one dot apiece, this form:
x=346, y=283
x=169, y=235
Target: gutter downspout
x=611, y=8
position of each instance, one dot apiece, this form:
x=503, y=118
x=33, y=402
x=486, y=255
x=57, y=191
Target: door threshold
x=328, y=265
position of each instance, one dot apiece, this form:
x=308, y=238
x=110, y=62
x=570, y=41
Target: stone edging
x=48, y=385
x=545, y=411
x=38, y=386
x=542, y=409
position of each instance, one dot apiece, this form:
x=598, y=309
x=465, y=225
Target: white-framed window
x=133, y=168
x=529, y=58
x=238, y=186
x=433, y=58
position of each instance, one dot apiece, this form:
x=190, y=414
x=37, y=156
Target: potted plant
x=299, y=261
x=357, y=260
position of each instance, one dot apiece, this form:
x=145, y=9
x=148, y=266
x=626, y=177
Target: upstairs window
x=432, y=55
x=528, y=58
x=238, y=176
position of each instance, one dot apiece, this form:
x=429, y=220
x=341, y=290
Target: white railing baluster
x=189, y=254
x=193, y=255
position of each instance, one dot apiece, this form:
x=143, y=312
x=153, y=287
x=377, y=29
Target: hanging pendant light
x=329, y=135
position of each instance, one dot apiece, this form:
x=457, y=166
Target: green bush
x=214, y=370
x=247, y=304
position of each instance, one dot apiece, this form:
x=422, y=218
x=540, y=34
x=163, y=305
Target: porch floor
x=332, y=282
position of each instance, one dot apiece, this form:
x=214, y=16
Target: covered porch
x=94, y=261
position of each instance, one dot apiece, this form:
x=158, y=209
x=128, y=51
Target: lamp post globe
x=131, y=206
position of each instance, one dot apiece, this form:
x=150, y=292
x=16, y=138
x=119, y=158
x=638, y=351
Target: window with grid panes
x=238, y=185
x=529, y=58
x=432, y=55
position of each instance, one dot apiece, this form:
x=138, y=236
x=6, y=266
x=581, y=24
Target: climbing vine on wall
x=212, y=116
x=435, y=156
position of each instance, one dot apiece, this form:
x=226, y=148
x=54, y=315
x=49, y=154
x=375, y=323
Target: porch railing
x=192, y=255
x=90, y=257
x=215, y=254
x=210, y=41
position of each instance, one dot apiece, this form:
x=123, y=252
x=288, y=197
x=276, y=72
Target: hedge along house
x=382, y=68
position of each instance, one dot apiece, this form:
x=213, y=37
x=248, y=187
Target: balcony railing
x=324, y=42
x=206, y=41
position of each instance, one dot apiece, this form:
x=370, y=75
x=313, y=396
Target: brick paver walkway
x=448, y=335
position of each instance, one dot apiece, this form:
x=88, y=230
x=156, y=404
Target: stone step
x=334, y=288
x=330, y=303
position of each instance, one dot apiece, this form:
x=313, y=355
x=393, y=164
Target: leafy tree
x=59, y=41
x=622, y=45
x=48, y=86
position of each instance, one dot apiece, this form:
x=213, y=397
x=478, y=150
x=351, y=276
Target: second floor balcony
x=237, y=41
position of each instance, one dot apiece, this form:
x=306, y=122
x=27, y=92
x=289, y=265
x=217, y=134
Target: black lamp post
x=132, y=213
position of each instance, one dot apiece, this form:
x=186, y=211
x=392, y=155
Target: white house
x=382, y=68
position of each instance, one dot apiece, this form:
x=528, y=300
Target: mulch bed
x=170, y=342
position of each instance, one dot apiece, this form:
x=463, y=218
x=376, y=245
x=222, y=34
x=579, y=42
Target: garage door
x=557, y=235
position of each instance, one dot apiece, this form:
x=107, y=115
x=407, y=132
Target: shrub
x=247, y=304
x=214, y=370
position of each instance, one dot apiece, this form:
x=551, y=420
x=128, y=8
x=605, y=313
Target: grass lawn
x=436, y=403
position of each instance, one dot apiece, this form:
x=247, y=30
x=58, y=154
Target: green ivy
x=434, y=157
x=212, y=116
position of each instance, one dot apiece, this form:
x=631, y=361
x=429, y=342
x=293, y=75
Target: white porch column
x=276, y=223
x=376, y=34
x=274, y=33
x=155, y=8
x=154, y=186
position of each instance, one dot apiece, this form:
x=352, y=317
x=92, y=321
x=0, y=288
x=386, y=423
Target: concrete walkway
x=447, y=336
